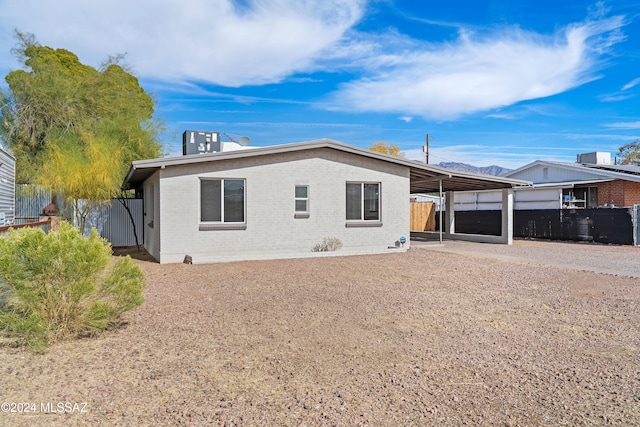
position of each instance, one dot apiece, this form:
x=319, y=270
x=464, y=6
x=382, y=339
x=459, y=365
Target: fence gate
x=423, y=216
x=112, y=222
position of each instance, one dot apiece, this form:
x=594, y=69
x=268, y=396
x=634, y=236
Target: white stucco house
x=281, y=201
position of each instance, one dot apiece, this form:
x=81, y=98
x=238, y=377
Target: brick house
x=591, y=182
x=619, y=192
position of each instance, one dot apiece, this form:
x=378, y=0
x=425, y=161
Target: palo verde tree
x=75, y=128
x=629, y=154
x=384, y=148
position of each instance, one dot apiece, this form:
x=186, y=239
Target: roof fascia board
x=307, y=145
x=576, y=167
x=570, y=184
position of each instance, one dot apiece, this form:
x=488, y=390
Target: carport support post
x=507, y=216
x=450, y=214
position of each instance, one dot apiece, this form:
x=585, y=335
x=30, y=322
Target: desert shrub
x=61, y=284
x=328, y=244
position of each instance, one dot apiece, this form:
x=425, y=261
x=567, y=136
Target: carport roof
x=423, y=178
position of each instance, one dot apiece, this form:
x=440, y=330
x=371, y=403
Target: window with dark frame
x=222, y=200
x=363, y=201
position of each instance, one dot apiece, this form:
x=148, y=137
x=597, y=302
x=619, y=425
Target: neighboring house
x=587, y=200
x=7, y=188
x=282, y=201
x=591, y=182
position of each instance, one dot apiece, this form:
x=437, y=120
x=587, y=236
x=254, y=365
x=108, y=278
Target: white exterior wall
x=523, y=199
x=7, y=188
x=536, y=174
x=151, y=190
x=271, y=229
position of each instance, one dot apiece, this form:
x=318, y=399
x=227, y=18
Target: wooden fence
x=423, y=216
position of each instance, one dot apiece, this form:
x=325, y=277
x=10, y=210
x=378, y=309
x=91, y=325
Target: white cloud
x=475, y=155
x=477, y=73
x=631, y=84
x=406, y=119
x=513, y=150
x=615, y=97
x=203, y=40
x=505, y=116
x=624, y=125
x=267, y=41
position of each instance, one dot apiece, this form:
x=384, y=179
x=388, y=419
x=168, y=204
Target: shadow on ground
x=134, y=252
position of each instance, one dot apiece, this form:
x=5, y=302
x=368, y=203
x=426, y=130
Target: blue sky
x=491, y=82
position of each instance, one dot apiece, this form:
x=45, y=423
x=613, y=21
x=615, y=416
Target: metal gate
x=114, y=223
x=30, y=201
x=636, y=225
x=111, y=220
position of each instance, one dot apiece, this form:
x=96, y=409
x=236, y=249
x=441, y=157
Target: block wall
x=619, y=193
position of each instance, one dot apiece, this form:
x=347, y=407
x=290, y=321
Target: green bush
x=61, y=285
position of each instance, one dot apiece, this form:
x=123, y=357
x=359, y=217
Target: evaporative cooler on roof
x=200, y=142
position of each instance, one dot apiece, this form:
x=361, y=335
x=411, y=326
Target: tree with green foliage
x=74, y=128
x=629, y=154
x=61, y=284
x=384, y=148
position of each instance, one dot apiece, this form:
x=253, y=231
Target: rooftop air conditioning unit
x=200, y=142
x=596, y=158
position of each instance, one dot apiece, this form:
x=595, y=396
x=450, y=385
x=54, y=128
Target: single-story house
x=591, y=182
x=283, y=201
x=589, y=200
x=7, y=188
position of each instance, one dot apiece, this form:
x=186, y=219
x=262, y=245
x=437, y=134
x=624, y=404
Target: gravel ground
x=426, y=337
x=581, y=256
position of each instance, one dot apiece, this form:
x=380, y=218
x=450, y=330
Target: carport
x=432, y=179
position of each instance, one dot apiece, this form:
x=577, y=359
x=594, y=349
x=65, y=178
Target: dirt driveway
x=427, y=337
x=581, y=256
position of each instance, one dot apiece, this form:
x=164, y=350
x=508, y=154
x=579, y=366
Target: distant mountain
x=463, y=167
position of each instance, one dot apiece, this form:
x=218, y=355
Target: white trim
x=304, y=213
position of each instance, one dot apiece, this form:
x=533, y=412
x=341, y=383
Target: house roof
x=626, y=169
x=6, y=153
x=599, y=172
x=423, y=178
